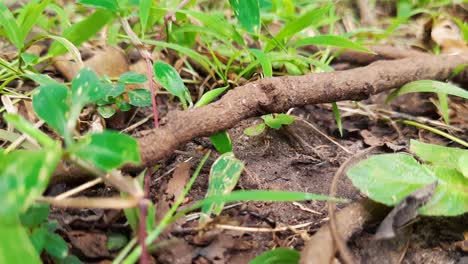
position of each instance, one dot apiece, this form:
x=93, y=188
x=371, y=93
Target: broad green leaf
x=29, y=58
x=255, y=130
x=29, y=17
x=463, y=164
x=143, y=12
x=168, y=77
x=111, y=5
x=336, y=113
x=116, y=90
x=15, y=245
x=35, y=215
x=222, y=142
x=248, y=13
x=50, y=102
x=388, y=178
x=451, y=195
x=332, y=40
x=8, y=23
x=132, y=77
x=24, y=175
x=56, y=246
x=106, y=111
x=264, y=61
x=140, y=97
x=208, y=97
x=278, y=256
x=38, y=238
x=437, y=155
x=107, y=150
x=224, y=175
x=86, y=88
x=83, y=30
x=278, y=120
x=428, y=86
x=309, y=19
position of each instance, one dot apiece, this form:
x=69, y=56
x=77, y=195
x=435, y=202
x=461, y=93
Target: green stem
x=436, y=131
x=168, y=218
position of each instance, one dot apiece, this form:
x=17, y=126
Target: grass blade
x=8, y=22
x=331, y=40
x=428, y=86
x=248, y=13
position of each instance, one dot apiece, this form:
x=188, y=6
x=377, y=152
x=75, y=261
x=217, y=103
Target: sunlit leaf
x=264, y=61
x=248, y=13
x=437, y=155
x=106, y=111
x=51, y=105
x=111, y=5
x=8, y=23
x=140, y=97
x=278, y=120
x=255, y=130
x=208, y=97
x=224, y=175
x=168, y=77
x=107, y=150
x=143, y=12
x=222, y=142
x=29, y=17
x=336, y=113
x=428, y=86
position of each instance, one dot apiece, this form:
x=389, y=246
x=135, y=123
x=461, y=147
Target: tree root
x=278, y=94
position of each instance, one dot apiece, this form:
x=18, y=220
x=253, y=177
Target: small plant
x=275, y=121
x=24, y=174
x=388, y=178
x=118, y=97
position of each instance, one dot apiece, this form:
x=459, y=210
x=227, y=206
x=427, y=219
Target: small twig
x=324, y=135
x=84, y=202
x=263, y=229
x=346, y=256
x=304, y=208
x=78, y=189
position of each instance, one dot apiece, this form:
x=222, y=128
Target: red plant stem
x=149, y=65
x=170, y=16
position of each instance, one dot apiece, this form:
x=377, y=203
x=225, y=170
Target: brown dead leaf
x=110, y=61
x=448, y=36
x=90, y=244
x=179, y=179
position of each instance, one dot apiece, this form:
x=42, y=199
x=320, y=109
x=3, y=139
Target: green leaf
x=463, y=164
x=224, y=175
x=336, y=113
x=12, y=30
x=41, y=79
x=56, y=246
x=264, y=61
x=255, y=130
x=24, y=175
x=29, y=17
x=428, y=86
x=24, y=126
x=388, y=178
x=168, y=77
x=106, y=111
x=278, y=120
x=15, y=245
x=38, y=238
x=451, y=195
x=309, y=19
x=443, y=107
x=35, y=215
x=83, y=30
x=248, y=14
x=332, y=40
x=50, y=104
x=208, y=97
x=222, y=142
x=140, y=97
x=437, y=155
x=278, y=256
x=116, y=241
x=116, y=90
x=132, y=77
x=143, y=12
x=107, y=150
x=86, y=88
x=29, y=58
x=111, y=5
